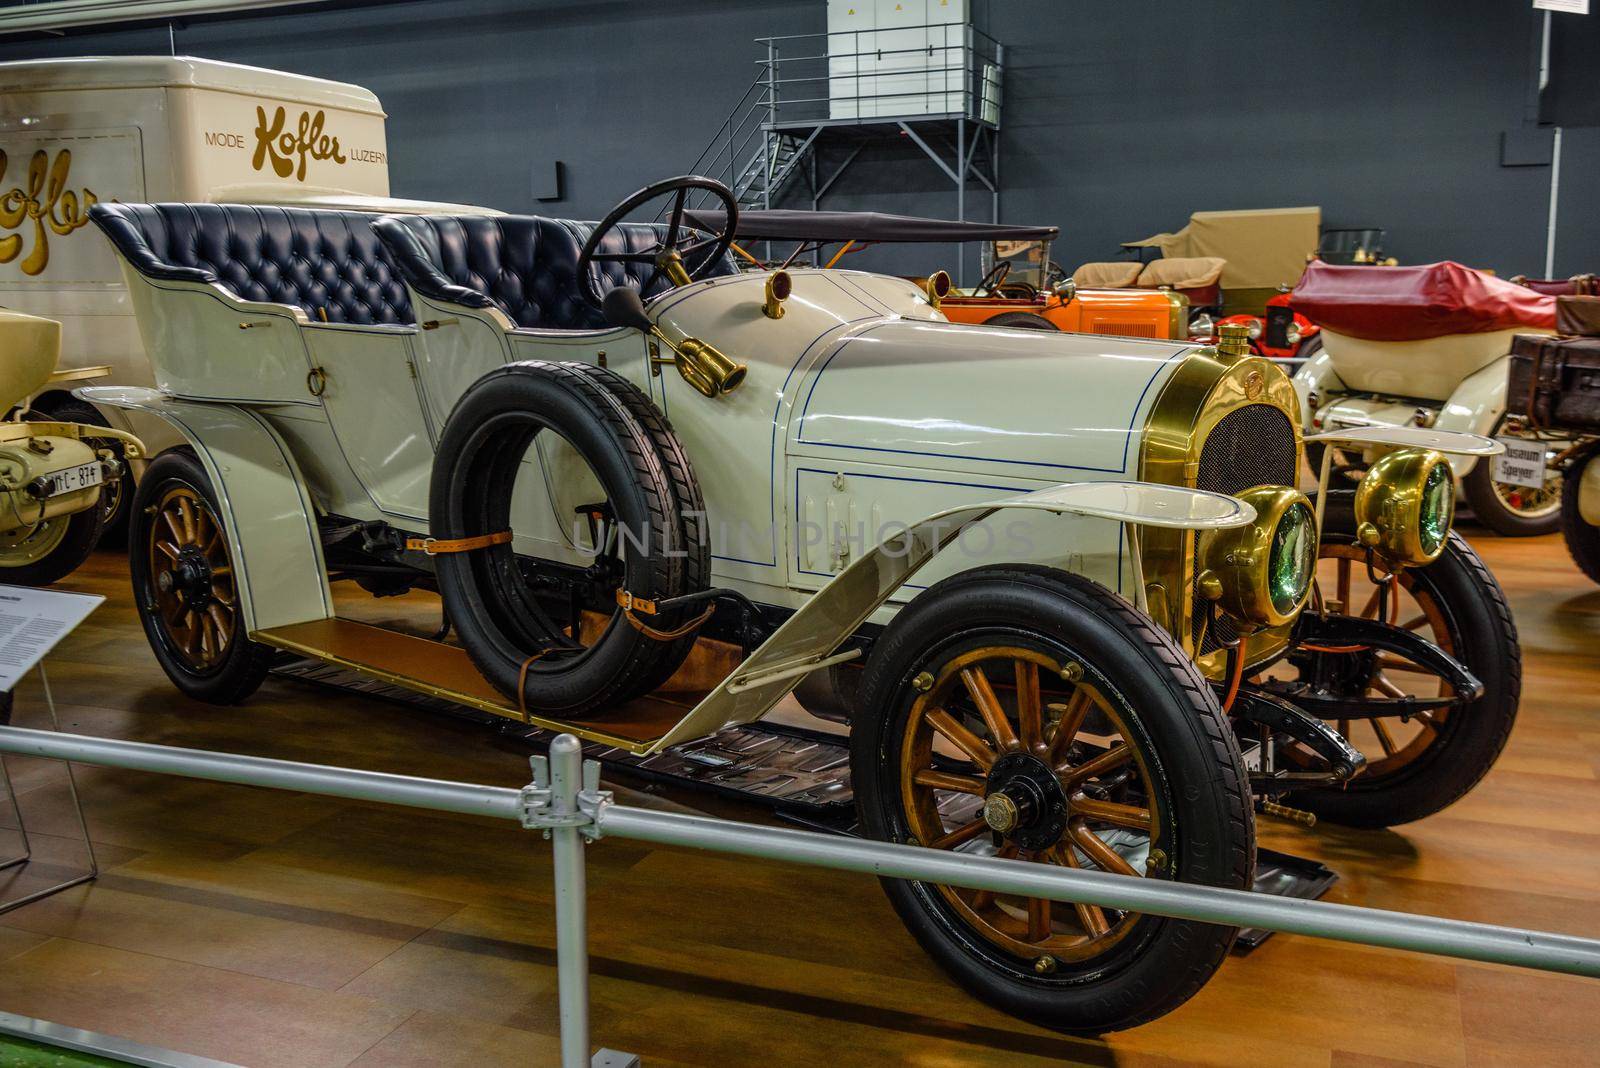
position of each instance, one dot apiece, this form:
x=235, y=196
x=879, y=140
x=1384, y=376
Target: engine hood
x=1032, y=404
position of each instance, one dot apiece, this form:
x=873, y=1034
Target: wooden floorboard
x=277, y=929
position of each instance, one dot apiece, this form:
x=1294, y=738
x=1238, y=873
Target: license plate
x=75, y=478
x=1522, y=464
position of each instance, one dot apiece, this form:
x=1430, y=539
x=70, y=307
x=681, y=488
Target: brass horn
x=705, y=368
x=700, y=363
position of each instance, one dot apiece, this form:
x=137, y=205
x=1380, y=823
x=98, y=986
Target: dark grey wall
x=1120, y=118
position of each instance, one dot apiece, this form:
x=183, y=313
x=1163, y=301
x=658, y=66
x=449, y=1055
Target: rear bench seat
x=329, y=264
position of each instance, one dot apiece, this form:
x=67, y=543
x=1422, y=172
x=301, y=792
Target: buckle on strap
x=629, y=602
x=438, y=546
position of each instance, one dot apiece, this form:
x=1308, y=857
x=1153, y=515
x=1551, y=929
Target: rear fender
x=808, y=639
x=268, y=514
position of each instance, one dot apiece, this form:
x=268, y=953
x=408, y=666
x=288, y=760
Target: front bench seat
x=524, y=265
x=329, y=264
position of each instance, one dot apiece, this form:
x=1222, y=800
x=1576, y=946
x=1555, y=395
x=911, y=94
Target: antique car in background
x=1555, y=388
x=1066, y=584
x=1264, y=253
x=56, y=477
x=1021, y=285
x=1430, y=346
x=1282, y=333
x=157, y=128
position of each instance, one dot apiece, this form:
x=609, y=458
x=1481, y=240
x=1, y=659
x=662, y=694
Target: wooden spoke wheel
x=185, y=585
x=1420, y=764
x=196, y=600
x=1030, y=714
x=1048, y=771
x=1345, y=585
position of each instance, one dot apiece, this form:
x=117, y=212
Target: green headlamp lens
x=1294, y=558
x=1437, y=508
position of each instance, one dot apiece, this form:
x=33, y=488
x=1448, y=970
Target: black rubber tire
x=7, y=699
x=638, y=460
x=69, y=409
x=1485, y=639
x=82, y=535
x=244, y=665
x=1022, y=321
x=1159, y=964
x=1487, y=508
x=1582, y=537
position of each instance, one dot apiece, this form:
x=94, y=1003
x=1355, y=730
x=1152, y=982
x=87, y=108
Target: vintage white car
x=1062, y=587
x=1430, y=346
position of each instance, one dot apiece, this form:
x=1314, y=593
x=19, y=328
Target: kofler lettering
x=289, y=151
x=46, y=202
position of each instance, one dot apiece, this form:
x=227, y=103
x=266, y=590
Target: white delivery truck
x=159, y=128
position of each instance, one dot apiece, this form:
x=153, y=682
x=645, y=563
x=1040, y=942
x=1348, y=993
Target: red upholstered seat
x=1413, y=303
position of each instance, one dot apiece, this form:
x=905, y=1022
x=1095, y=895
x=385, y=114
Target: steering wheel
x=989, y=285
x=683, y=255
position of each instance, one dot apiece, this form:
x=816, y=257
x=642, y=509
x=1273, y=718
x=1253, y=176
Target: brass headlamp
x=1405, y=505
x=1261, y=573
x=937, y=287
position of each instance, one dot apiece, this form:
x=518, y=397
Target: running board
x=805, y=774
x=446, y=673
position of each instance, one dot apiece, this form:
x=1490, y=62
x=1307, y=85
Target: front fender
x=807, y=639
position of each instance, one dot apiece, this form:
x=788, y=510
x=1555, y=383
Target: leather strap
x=667, y=635
x=436, y=546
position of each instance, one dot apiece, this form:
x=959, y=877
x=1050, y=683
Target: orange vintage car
x=1021, y=285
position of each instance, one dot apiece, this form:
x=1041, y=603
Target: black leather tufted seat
x=329, y=264
x=524, y=265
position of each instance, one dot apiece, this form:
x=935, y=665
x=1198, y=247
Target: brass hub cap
x=192, y=575
x=1017, y=753
x=1025, y=802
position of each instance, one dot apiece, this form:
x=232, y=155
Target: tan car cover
x=1265, y=248
x=1185, y=272
x=1107, y=275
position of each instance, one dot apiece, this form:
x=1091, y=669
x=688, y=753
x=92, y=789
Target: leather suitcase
x=1555, y=381
x=1578, y=315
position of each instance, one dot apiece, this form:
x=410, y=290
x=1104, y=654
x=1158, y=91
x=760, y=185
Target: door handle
x=317, y=381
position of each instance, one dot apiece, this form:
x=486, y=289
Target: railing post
x=572, y=910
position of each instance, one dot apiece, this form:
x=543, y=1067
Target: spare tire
x=496, y=599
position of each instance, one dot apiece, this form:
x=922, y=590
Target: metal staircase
x=810, y=111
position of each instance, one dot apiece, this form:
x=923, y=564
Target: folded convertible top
x=1412, y=303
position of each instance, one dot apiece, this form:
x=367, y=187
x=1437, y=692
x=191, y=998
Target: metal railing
x=936, y=71
x=566, y=802
x=941, y=69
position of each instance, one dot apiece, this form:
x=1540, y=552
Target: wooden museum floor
x=268, y=928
